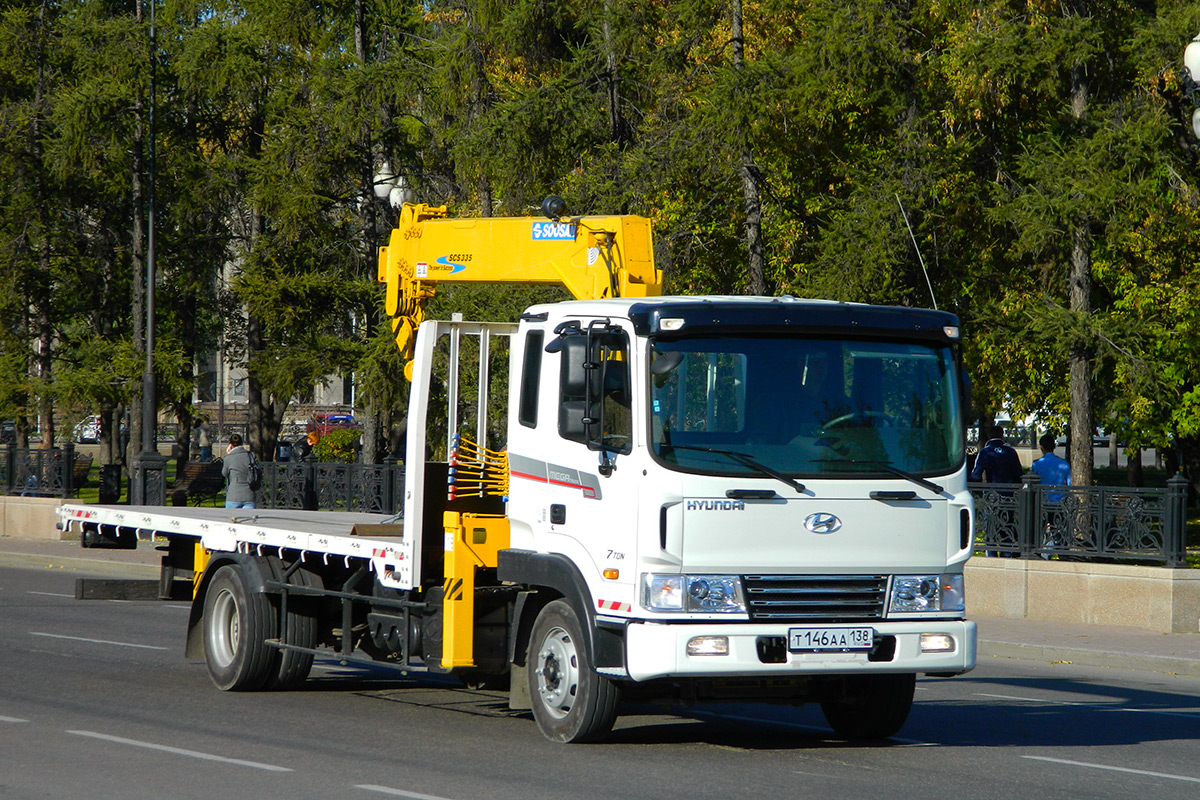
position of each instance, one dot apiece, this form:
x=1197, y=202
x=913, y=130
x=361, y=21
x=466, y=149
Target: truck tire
x=293, y=667
x=237, y=623
x=872, y=707
x=571, y=703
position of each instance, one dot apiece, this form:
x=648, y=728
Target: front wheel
x=571, y=703
x=237, y=624
x=870, y=706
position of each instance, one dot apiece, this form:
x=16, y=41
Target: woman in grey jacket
x=236, y=469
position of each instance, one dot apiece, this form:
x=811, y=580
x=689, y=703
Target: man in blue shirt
x=1053, y=471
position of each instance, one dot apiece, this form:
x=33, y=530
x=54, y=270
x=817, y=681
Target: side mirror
x=577, y=378
x=666, y=362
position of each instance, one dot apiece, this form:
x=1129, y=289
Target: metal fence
x=324, y=486
x=1025, y=520
x=38, y=472
x=1088, y=523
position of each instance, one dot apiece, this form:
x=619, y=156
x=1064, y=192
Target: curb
x=1145, y=662
x=80, y=565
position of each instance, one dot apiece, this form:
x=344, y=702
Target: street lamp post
x=149, y=486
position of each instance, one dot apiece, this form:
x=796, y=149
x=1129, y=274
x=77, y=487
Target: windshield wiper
x=887, y=467
x=745, y=460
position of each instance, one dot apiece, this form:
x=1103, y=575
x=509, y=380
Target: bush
x=338, y=445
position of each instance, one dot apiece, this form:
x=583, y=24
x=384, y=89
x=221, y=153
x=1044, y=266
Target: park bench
x=79, y=475
x=197, y=481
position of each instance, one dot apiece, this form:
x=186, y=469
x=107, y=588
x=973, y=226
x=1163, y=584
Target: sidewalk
x=1089, y=645
x=1031, y=640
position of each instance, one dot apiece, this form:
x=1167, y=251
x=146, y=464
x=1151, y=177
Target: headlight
x=698, y=593
x=662, y=592
x=917, y=593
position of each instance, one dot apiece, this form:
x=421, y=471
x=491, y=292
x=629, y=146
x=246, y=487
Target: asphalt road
x=97, y=701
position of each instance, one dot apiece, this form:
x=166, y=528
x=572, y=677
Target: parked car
x=324, y=423
x=8, y=431
x=87, y=430
x=1100, y=439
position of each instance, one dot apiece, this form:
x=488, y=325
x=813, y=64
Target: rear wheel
x=293, y=666
x=237, y=623
x=870, y=706
x=571, y=703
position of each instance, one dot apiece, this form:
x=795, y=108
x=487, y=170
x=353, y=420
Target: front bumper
x=659, y=650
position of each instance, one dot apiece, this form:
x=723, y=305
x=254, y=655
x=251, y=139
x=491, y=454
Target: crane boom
x=593, y=257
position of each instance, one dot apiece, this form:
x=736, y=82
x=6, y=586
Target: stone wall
x=30, y=517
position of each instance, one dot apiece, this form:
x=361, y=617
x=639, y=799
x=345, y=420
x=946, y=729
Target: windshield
x=804, y=406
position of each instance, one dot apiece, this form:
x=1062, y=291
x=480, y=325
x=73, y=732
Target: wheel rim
x=225, y=631
x=557, y=673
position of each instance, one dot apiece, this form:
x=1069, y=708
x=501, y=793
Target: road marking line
x=180, y=752
x=12, y=719
x=1097, y=706
x=95, y=641
x=398, y=792
x=1114, y=769
x=1184, y=714
x=1038, y=700
x=52, y=594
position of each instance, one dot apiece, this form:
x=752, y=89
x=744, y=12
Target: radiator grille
x=830, y=598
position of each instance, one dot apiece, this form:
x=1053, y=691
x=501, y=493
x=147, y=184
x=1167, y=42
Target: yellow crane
x=592, y=256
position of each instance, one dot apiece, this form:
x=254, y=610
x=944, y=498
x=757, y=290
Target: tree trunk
x=618, y=131
x=756, y=278
x=1134, y=467
x=1188, y=448
x=1080, y=362
x=1079, y=294
x=360, y=30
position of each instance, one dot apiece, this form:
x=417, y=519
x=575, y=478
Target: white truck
x=688, y=499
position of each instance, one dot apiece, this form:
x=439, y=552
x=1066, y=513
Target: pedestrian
x=236, y=470
x=1000, y=464
x=303, y=449
x=1053, y=471
x=202, y=440
x=997, y=461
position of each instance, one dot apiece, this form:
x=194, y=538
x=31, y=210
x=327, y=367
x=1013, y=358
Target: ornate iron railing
x=38, y=472
x=1106, y=523
x=323, y=486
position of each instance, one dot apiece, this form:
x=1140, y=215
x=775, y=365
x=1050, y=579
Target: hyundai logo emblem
x=822, y=522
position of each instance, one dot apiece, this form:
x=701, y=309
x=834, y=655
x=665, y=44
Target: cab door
x=574, y=483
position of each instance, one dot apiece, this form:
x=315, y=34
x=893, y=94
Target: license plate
x=836, y=639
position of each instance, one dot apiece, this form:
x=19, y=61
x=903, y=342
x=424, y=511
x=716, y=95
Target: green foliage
x=338, y=445
x=271, y=126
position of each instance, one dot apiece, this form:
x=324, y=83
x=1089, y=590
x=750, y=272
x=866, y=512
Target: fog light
x=937, y=643
x=708, y=646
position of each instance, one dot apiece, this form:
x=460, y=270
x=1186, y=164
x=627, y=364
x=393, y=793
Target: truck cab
x=730, y=491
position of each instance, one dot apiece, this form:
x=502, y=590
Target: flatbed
x=327, y=534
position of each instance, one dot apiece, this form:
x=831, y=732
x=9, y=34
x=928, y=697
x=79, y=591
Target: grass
x=91, y=492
